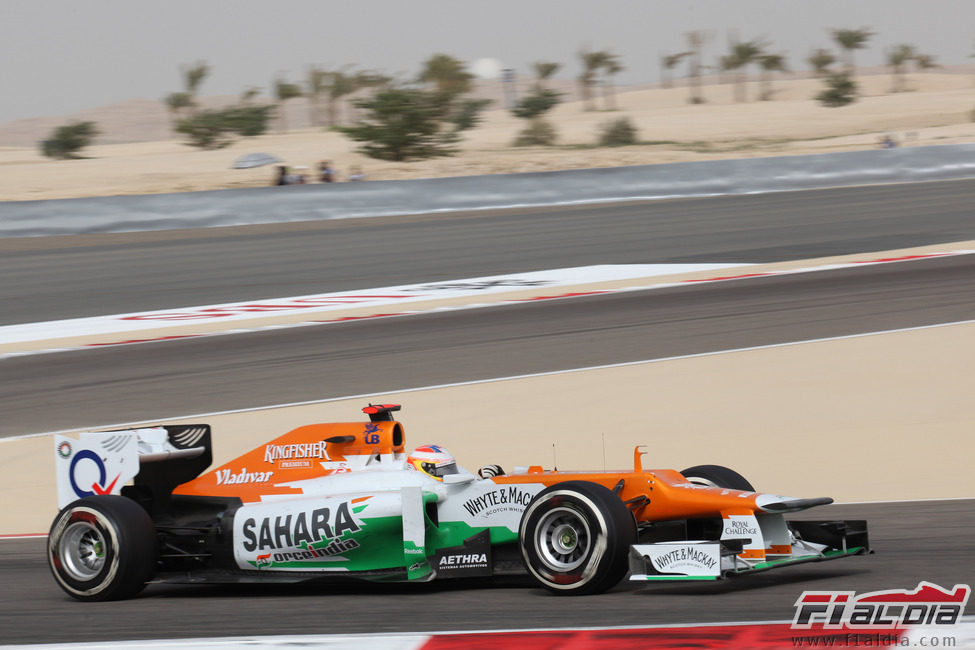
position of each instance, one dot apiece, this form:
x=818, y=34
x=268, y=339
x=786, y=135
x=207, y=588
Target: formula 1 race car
x=347, y=500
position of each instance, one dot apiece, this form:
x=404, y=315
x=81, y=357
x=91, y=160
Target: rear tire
x=575, y=538
x=102, y=548
x=717, y=476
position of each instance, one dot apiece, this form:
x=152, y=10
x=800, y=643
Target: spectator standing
x=325, y=172
x=282, y=175
x=288, y=177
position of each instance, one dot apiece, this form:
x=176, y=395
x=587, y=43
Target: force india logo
x=334, y=547
x=928, y=604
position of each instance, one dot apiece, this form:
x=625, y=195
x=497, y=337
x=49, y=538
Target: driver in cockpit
x=436, y=462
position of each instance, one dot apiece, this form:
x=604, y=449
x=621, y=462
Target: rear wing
x=154, y=459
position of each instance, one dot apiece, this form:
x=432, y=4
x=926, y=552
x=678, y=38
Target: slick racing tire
x=575, y=538
x=102, y=548
x=717, y=476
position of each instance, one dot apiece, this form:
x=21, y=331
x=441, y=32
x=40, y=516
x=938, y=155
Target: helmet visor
x=433, y=469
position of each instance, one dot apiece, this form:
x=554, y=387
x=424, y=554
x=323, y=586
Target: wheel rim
x=82, y=550
x=563, y=539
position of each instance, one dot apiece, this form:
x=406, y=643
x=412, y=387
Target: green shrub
x=538, y=133
x=618, y=133
x=216, y=129
x=467, y=114
x=66, y=141
x=248, y=121
x=537, y=103
x=840, y=90
x=206, y=130
x=403, y=124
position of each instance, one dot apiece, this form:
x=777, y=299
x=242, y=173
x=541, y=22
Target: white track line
x=739, y=276
x=134, y=324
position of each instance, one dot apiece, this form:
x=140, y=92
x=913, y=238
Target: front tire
x=575, y=538
x=717, y=476
x=102, y=548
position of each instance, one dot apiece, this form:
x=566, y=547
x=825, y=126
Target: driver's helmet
x=432, y=460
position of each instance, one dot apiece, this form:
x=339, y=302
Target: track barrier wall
x=263, y=205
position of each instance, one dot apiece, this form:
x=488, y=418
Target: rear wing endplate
x=103, y=462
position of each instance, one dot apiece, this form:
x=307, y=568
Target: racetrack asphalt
x=103, y=386
x=52, y=278
x=916, y=541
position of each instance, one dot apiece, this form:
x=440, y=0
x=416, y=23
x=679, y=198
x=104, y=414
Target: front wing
x=811, y=541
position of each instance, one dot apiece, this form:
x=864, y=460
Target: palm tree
x=544, y=71
x=449, y=78
x=695, y=41
x=448, y=75
x=897, y=58
x=339, y=85
x=248, y=94
x=849, y=40
x=371, y=79
x=611, y=66
x=925, y=62
x=592, y=63
x=726, y=63
x=366, y=79
x=316, y=83
x=283, y=91
x=667, y=63
x=176, y=102
x=194, y=75
x=820, y=60
x=533, y=106
x=770, y=63
x=742, y=54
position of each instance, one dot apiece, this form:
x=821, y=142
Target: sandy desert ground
x=936, y=110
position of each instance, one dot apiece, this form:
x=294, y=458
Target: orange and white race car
x=348, y=500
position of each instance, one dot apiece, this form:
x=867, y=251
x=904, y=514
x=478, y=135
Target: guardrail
x=385, y=198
